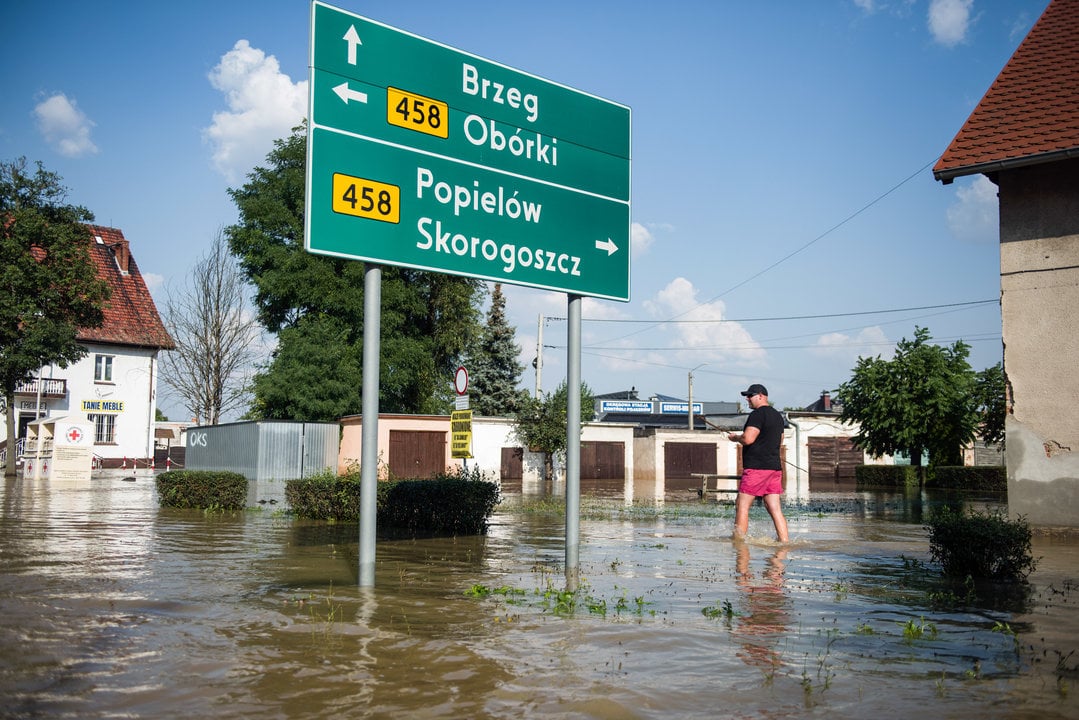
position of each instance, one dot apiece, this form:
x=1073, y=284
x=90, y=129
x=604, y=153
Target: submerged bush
x=980, y=545
x=204, y=489
x=453, y=503
x=885, y=476
x=980, y=478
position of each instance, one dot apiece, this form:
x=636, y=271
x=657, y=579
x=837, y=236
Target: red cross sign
x=74, y=435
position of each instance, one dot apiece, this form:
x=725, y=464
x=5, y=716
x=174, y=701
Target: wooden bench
x=705, y=477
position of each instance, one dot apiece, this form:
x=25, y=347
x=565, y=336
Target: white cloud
x=263, y=105
x=641, y=239
x=869, y=342
x=153, y=281
x=712, y=340
x=949, y=20
x=866, y=5
x=64, y=126
x=974, y=216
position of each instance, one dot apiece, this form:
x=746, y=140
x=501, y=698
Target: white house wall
x=134, y=383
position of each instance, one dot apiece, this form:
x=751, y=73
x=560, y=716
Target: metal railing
x=50, y=387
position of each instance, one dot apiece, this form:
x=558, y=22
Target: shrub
x=980, y=545
x=987, y=478
x=204, y=489
x=885, y=476
x=326, y=496
x=454, y=503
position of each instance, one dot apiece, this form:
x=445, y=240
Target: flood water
x=113, y=607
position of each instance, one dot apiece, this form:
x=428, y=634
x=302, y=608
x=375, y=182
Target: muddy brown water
x=113, y=607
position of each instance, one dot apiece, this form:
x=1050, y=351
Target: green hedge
x=885, y=476
x=980, y=545
x=455, y=503
x=205, y=489
x=980, y=478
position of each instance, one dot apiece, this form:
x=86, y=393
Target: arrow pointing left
x=346, y=93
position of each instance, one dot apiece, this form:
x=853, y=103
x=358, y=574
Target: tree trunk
x=9, y=465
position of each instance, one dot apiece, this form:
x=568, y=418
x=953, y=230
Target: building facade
x=1024, y=137
x=113, y=388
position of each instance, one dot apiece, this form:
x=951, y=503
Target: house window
x=103, y=368
x=104, y=428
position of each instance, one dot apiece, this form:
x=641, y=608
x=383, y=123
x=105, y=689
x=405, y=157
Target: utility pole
x=689, y=408
x=538, y=362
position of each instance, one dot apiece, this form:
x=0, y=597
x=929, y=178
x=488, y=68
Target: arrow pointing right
x=607, y=245
x=346, y=93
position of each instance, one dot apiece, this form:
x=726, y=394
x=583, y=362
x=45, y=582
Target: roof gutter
x=990, y=168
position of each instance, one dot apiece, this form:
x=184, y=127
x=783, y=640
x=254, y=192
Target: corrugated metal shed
x=267, y=452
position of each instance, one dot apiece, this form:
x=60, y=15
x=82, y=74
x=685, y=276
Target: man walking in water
x=762, y=471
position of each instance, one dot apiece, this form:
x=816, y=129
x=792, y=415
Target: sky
x=784, y=216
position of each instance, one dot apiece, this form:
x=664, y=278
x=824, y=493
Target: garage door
x=681, y=460
x=417, y=453
x=603, y=461
x=832, y=461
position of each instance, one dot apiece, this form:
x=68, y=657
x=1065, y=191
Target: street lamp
x=689, y=408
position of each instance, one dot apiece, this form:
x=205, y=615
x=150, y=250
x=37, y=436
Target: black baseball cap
x=755, y=389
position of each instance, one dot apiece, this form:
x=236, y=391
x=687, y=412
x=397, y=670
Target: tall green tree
x=542, y=423
x=315, y=305
x=493, y=368
x=50, y=283
x=923, y=399
x=991, y=388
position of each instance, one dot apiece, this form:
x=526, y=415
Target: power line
x=789, y=317
x=788, y=256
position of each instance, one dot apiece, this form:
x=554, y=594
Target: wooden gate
x=832, y=461
x=417, y=453
x=603, y=461
x=682, y=459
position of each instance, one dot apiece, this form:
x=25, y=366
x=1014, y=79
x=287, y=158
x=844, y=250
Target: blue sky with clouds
x=784, y=215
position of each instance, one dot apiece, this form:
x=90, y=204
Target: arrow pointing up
x=346, y=93
x=353, y=39
x=607, y=245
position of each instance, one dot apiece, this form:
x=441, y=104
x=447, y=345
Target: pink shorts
x=761, y=482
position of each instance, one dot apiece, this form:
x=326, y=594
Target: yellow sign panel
x=102, y=406
x=416, y=112
x=366, y=198
x=461, y=434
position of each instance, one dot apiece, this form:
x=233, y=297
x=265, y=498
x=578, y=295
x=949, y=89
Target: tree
x=50, y=282
x=428, y=320
x=210, y=321
x=991, y=389
x=542, y=423
x=922, y=399
x=493, y=368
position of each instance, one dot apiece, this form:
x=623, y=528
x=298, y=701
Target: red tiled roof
x=130, y=316
x=1030, y=114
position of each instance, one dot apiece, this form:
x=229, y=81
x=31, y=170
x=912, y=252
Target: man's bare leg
x=775, y=509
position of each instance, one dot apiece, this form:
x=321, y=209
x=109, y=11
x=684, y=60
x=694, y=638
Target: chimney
x=121, y=252
x=826, y=401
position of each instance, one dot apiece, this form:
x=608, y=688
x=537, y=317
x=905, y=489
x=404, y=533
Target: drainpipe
x=150, y=412
x=797, y=450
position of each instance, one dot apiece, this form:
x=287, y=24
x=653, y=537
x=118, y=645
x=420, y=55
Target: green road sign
x=428, y=157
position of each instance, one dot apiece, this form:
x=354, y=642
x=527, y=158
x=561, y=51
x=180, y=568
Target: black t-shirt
x=763, y=453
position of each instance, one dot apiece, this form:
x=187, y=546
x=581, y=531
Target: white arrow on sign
x=346, y=93
x=353, y=39
x=607, y=245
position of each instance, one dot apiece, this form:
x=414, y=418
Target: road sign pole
x=372, y=327
x=573, y=442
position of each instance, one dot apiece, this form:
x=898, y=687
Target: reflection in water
x=762, y=624
x=111, y=606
